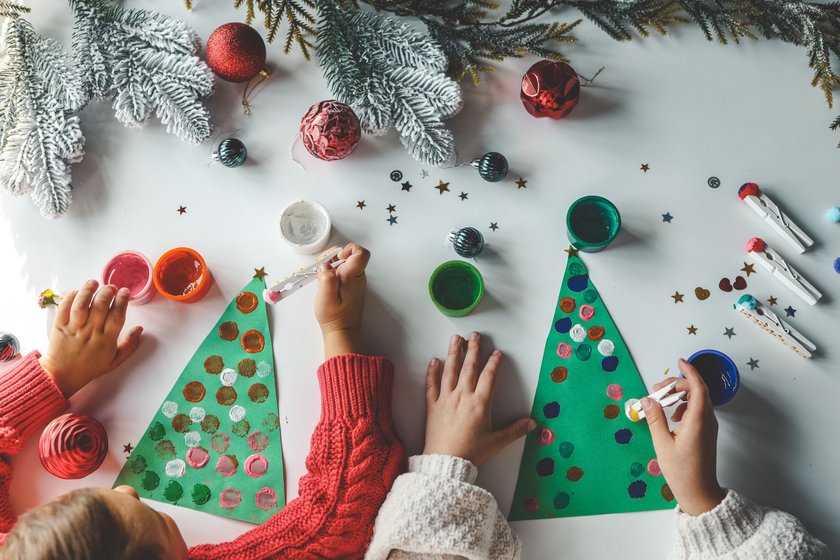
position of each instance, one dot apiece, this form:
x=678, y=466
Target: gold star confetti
x=520, y=184
x=749, y=269
x=772, y=301
x=361, y=205
x=572, y=251
x=645, y=167
x=692, y=329
x=442, y=187
x=260, y=273
x=391, y=208
x=678, y=297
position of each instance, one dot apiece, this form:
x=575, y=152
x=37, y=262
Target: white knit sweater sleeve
x=436, y=512
x=737, y=529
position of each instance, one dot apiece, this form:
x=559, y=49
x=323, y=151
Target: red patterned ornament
x=236, y=52
x=330, y=130
x=550, y=89
x=73, y=446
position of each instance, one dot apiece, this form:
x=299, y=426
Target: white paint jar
x=305, y=225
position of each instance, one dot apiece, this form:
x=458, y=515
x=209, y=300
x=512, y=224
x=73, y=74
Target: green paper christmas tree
x=586, y=457
x=214, y=444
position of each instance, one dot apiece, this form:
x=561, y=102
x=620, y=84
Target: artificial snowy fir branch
x=390, y=75
x=39, y=137
x=146, y=62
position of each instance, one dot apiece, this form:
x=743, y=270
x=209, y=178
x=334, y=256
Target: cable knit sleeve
x=354, y=458
x=435, y=511
x=738, y=529
x=28, y=400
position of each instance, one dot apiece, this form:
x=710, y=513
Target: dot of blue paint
x=623, y=436
x=637, y=489
x=545, y=467
x=566, y=449
x=563, y=325
x=609, y=363
x=562, y=500
x=552, y=409
x=578, y=283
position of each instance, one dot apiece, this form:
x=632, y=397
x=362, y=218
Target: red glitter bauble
x=330, y=130
x=236, y=52
x=550, y=89
x=73, y=446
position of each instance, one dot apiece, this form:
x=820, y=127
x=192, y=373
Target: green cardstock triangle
x=214, y=443
x=586, y=457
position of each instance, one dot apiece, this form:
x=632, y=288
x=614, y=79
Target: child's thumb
x=515, y=431
x=658, y=424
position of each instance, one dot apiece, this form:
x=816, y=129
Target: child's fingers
x=356, y=259
x=433, y=375
x=513, y=432
x=699, y=402
x=116, y=316
x=486, y=386
x=678, y=413
x=327, y=292
x=81, y=304
x=62, y=314
x=658, y=424
x=99, y=307
x=469, y=370
x=449, y=379
x=127, y=345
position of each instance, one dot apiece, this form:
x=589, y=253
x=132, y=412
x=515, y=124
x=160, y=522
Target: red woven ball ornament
x=73, y=446
x=330, y=130
x=550, y=89
x=236, y=52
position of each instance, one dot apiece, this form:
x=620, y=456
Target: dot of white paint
x=175, y=468
x=192, y=439
x=237, y=413
x=228, y=377
x=169, y=409
x=578, y=333
x=606, y=347
x=263, y=369
x=197, y=414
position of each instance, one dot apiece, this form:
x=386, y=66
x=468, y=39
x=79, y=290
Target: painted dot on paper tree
x=559, y=374
x=611, y=411
x=578, y=283
x=637, y=489
x=552, y=409
x=531, y=503
x=623, y=436
x=574, y=474
x=150, y=480
x=561, y=500
x=636, y=469
x=173, y=492
x=563, y=325
x=584, y=352
x=157, y=431
x=565, y=449
x=609, y=364
x=545, y=467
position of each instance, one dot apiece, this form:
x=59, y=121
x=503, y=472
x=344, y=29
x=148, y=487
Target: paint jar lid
x=592, y=223
x=132, y=270
x=182, y=275
x=305, y=225
x=456, y=288
x=719, y=373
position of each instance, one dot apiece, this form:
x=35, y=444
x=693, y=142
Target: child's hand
x=339, y=301
x=688, y=456
x=459, y=400
x=85, y=342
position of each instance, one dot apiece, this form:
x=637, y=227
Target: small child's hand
x=85, y=342
x=459, y=400
x=340, y=299
x=688, y=456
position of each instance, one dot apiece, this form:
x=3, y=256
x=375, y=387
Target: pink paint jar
x=132, y=270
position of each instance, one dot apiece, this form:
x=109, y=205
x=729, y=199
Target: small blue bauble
x=837, y=265
x=747, y=302
x=468, y=242
x=9, y=347
x=231, y=152
x=833, y=214
x=492, y=166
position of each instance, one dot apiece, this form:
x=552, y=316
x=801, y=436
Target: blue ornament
x=833, y=214
x=492, y=166
x=9, y=347
x=746, y=301
x=231, y=152
x=837, y=265
x=468, y=242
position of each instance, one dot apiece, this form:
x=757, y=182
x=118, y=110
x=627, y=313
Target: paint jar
x=719, y=373
x=592, y=223
x=132, y=270
x=456, y=288
x=305, y=225
x=182, y=275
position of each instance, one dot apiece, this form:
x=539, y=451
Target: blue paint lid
x=719, y=373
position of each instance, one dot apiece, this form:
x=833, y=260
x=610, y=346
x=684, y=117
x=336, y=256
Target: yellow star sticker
x=749, y=269
x=442, y=187
x=572, y=251
x=520, y=184
x=260, y=273
x=692, y=330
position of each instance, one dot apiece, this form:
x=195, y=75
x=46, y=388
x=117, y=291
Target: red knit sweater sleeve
x=354, y=459
x=28, y=400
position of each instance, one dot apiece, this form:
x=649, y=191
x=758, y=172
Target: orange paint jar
x=182, y=275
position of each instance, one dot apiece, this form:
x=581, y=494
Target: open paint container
x=456, y=288
x=305, y=226
x=182, y=275
x=719, y=373
x=592, y=223
x=132, y=270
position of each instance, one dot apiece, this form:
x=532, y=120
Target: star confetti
x=260, y=273
x=678, y=297
x=463, y=195
x=667, y=217
x=182, y=210
x=494, y=225
x=645, y=167
x=772, y=300
x=424, y=173
x=753, y=363
x=391, y=208
x=666, y=372
x=730, y=332
x=571, y=250
x=520, y=184
x=749, y=268
x=392, y=220
x=790, y=311
x=692, y=329
x=442, y=187
x=128, y=448
x=407, y=186
x=361, y=205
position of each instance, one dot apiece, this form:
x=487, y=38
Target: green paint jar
x=456, y=288
x=592, y=223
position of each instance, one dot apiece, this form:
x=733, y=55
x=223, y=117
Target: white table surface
x=689, y=109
